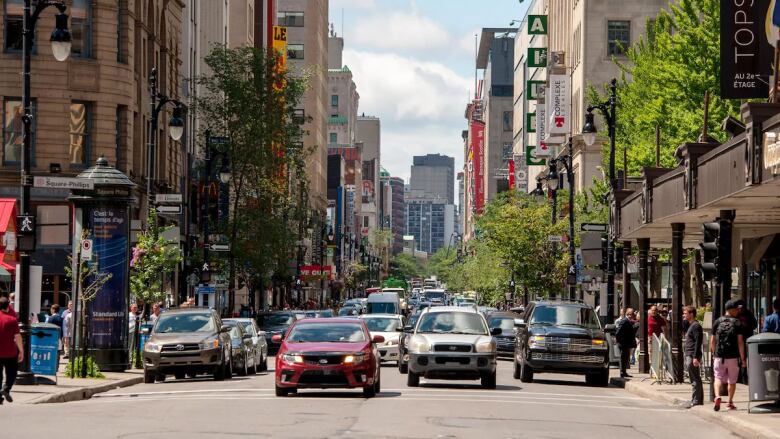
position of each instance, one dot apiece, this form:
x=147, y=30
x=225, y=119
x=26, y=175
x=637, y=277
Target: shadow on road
x=465, y=386
x=353, y=395
x=562, y=383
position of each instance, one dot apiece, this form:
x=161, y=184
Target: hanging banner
x=558, y=100
x=746, y=55
x=542, y=149
x=511, y=166
x=477, y=139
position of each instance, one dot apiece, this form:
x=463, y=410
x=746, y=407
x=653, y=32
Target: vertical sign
x=559, y=104
x=534, y=90
x=746, y=55
x=511, y=166
x=108, y=226
x=280, y=45
x=521, y=174
x=541, y=130
x=478, y=149
x=537, y=25
x=537, y=57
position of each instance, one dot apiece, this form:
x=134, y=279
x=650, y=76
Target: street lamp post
x=553, y=180
x=224, y=178
x=175, y=129
x=25, y=222
x=608, y=110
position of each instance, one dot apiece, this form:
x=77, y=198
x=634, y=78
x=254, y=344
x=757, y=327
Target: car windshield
x=505, y=323
x=185, y=323
x=235, y=333
x=348, y=311
x=434, y=295
x=279, y=320
x=248, y=327
x=326, y=313
x=452, y=323
x=326, y=333
x=382, y=324
x=382, y=308
x=564, y=316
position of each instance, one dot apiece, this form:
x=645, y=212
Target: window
x=295, y=51
x=121, y=121
x=13, y=130
x=507, y=121
x=14, y=9
x=121, y=33
x=334, y=137
x=299, y=116
x=334, y=101
x=79, y=126
x=290, y=19
x=618, y=37
x=53, y=225
x=81, y=28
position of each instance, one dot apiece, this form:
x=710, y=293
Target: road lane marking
x=523, y=392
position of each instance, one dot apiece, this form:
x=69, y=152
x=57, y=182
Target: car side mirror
x=496, y=331
x=377, y=339
x=247, y=336
x=224, y=328
x=520, y=324
x=276, y=338
x=610, y=328
x=408, y=328
x=146, y=331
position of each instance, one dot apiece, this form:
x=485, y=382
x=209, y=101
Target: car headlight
x=598, y=343
x=419, y=344
x=292, y=359
x=485, y=346
x=536, y=341
x=152, y=347
x=355, y=358
x=392, y=342
x=210, y=344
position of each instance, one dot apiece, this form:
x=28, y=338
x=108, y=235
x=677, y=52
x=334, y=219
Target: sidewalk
x=740, y=422
x=74, y=389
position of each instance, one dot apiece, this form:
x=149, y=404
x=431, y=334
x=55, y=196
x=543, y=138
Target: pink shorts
x=726, y=370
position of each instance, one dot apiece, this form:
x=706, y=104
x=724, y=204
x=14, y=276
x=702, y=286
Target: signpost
x=593, y=227
x=171, y=210
x=555, y=238
x=168, y=198
x=219, y=247
x=86, y=249
x=219, y=140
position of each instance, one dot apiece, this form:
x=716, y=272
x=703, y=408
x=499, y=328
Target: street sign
x=63, y=183
x=555, y=238
x=26, y=224
x=219, y=247
x=205, y=289
x=537, y=25
x=169, y=209
x=632, y=263
x=593, y=227
x=219, y=140
x=86, y=249
x=168, y=198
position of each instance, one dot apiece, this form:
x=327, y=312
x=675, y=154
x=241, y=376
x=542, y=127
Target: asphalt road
x=554, y=406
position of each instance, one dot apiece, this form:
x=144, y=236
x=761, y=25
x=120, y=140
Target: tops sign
x=746, y=56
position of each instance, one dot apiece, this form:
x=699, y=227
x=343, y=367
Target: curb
x=735, y=424
x=83, y=393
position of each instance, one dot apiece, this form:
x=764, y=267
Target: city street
x=556, y=406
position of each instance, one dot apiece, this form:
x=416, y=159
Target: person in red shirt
x=656, y=325
x=11, y=350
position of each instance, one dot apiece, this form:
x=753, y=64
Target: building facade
x=368, y=135
x=430, y=221
x=434, y=175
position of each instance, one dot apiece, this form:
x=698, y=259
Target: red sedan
x=328, y=353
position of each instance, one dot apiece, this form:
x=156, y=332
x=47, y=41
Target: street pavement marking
x=176, y=392
x=519, y=392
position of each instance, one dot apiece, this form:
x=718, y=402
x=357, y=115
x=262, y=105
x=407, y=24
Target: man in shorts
x=727, y=346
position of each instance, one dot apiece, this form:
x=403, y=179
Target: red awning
x=7, y=213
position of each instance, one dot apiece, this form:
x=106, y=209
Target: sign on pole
x=219, y=140
x=746, y=55
x=219, y=247
x=171, y=210
x=537, y=25
x=537, y=57
x=168, y=198
x=593, y=227
x=86, y=249
x=558, y=101
x=63, y=183
x=555, y=238
x=633, y=264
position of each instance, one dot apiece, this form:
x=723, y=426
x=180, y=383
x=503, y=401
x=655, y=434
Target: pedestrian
x=656, y=325
x=727, y=346
x=692, y=347
x=67, y=328
x=155, y=313
x=621, y=315
x=772, y=321
x=11, y=309
x=11, y=350
x=54, y=318
x=749, y=326
x=625, y=336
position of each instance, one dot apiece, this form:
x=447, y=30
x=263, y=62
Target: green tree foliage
x=153, y=257
x=406, y=266
x=663, y=84
x=248, y=99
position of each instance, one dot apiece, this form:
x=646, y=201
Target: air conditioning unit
x=557, y=59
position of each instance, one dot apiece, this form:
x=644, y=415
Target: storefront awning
x=7, y=214
x=7, y=206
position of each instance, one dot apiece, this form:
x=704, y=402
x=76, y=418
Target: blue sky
x=413, y=63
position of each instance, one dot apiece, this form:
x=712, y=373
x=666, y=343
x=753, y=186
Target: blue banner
x=108, y=311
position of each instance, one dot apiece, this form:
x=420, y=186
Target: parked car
x=403, y=342
x=275, y=323
x=505, y=342
x=188, y=341
x=328, y=353
x=259, y=343
x=388, y=326
x=243, y=351
x=452, y=343
x=561, y=337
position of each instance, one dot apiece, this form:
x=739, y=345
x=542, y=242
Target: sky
x=413, y=64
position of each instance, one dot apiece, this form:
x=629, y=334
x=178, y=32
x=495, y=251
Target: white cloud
x=399, y=144
x=466, y=42
x=401, y=30
x=337, y=5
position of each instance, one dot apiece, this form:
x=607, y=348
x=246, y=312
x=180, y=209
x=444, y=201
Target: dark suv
x=561, y=337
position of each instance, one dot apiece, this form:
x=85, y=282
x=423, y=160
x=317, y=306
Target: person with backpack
x=727, y=345
x=625, y=337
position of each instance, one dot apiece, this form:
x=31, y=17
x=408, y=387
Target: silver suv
x=452, y=343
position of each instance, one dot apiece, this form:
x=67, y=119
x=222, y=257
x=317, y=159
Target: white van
x=401, y=295
x=383, y=303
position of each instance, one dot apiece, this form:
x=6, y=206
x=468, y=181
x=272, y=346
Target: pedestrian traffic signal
x=709, y=250
x=604, y=252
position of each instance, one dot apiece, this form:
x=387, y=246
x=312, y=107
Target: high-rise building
x=393, y=208
x=431, y=222
x=368, y=139
x=433, y=176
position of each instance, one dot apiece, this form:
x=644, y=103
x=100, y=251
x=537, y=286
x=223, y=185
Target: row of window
x=80, y=26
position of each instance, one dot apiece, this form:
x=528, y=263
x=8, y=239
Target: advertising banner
x=477, y=139
x=558, y=101
x=108, y=226
x=521, y=174
x=746, y=56
x=541, y=130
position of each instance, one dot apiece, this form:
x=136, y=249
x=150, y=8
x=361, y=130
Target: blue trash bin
x=145, y=330
x=44, y=349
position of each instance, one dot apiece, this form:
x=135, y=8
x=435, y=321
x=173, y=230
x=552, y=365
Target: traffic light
x=709, y=250
x=604, y=252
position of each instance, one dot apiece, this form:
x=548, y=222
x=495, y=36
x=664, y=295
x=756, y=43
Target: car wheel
x=526, y=373
x=516, y=370
x=219, y=372
x=370, y=392
x=281, y=391
x=488, y=381
x=412, y=379
x=160, y=378
x=599, y=379
x=403, y=367
x=242, y=371
x=229, y=370
x=179, y=375
x=148, y=377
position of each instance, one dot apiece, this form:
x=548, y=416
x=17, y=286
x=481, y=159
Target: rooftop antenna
x=342, y=22
x=476, y=54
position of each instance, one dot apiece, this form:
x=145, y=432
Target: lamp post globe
x=589, y=130
x=552, y=178
x=224, y=177
x=60, y=38
x=176, y=125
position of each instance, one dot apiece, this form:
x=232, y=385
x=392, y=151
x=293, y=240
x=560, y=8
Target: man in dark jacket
x=692, y=347
x=625, y=336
